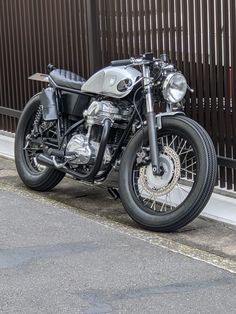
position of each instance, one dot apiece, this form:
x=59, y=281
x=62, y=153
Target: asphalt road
x=54, y=260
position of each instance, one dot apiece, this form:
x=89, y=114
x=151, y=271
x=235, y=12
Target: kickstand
x=114, y=193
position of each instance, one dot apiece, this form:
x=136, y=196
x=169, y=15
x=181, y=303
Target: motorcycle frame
x=153, y=123
x=92, y=178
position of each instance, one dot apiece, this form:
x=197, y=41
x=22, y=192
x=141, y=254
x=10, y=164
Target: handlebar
x=116, y=63
x=147, y=58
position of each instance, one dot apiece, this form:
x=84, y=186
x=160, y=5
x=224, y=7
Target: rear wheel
x=35, y=176
x=188, y=159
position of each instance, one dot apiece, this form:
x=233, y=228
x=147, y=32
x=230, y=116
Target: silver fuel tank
x=112, y=81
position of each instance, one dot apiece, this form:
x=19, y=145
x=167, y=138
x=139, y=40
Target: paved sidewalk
x=75, y=250
x=53, y=260
x=201, y=237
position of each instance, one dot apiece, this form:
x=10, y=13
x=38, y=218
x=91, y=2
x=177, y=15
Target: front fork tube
x=151, y=123
x=154, y=149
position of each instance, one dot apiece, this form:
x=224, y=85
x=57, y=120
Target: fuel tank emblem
x=124, y=85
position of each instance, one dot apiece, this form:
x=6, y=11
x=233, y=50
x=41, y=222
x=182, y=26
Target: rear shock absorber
x=37, y=119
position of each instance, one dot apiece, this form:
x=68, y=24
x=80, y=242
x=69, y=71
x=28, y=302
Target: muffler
x=45, y=161
x=50, y=162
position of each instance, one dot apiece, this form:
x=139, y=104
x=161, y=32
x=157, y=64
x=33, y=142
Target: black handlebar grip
x=116, y=63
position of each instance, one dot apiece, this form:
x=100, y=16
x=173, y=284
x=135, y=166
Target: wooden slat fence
x=33, y=34
x=198, y=35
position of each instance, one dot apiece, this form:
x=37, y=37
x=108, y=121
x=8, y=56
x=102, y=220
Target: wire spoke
x=172, y=141
x=178, y=148
x=187, y=160
x=192, y=164
x=180, y=152
x=182, y=189
x=190, y=172
x=163, y=204
x=185, y=152
x=163, y=197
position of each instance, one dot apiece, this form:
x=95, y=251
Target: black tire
x=37, y=180
x=202, y=186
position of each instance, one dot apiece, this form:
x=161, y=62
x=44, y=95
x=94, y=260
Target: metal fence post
x=93, y=31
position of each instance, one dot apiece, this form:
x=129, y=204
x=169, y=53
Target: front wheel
x=188, y=159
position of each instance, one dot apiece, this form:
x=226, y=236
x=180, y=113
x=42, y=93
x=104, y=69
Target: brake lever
x=136, y=62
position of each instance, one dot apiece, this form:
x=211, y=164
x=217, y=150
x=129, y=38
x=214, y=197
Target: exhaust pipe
x=50, y=162
x=45, y=161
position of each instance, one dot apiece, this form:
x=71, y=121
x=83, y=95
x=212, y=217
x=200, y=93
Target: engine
x=86, y=146
x=100, y=110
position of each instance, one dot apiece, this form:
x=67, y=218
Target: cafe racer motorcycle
x=87, y=128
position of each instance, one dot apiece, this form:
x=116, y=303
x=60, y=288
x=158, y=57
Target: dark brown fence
x=83, y=35
x=33, y=34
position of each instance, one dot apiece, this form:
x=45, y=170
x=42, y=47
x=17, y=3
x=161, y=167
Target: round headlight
x=174, y=88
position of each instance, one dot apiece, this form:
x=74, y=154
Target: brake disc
x=155, y=186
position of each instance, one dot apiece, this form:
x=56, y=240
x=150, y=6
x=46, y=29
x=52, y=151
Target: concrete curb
x=7, y=144
x=220, y=207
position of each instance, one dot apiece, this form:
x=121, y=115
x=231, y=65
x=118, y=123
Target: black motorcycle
x=166, y=161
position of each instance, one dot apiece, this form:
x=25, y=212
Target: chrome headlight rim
x=166, y=88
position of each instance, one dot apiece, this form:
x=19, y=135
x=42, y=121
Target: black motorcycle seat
x=67, y=79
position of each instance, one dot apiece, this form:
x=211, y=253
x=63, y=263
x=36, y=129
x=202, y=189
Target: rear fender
x=40, y=77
